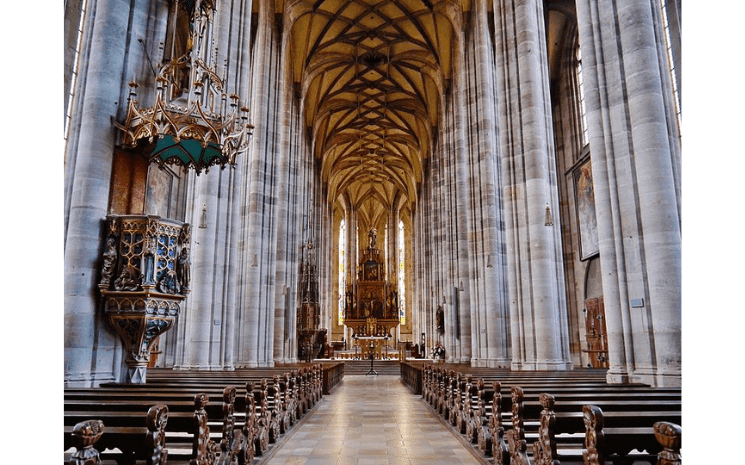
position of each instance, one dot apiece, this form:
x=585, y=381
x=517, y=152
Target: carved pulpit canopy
x=190, y=122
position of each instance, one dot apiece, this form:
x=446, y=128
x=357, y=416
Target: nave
x=372, y=420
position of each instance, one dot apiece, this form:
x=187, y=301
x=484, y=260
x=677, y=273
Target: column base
x=136, y=375
x=200, y=367
x=617, y=375
x=542, y=365
x=491, y=362
x=88, y=379
x=656, y=378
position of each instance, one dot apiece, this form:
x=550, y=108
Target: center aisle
x=371, y=420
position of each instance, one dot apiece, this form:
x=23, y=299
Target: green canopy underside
x=187, y=152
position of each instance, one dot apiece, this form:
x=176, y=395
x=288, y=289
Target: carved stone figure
x=128, y=280
x=148, y=262
x=185, y=234
x=440, y=316
x=349, y=300
x=183, y=270
x=168, y=283
x=372, y=235
x=109, y=260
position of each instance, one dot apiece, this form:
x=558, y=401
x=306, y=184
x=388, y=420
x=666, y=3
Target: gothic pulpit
x=145, y=276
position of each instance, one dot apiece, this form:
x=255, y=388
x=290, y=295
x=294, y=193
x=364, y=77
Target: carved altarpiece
x=373, y=313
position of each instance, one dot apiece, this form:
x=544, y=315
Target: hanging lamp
x=190, y=124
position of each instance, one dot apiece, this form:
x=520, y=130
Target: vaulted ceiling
x=372, y=75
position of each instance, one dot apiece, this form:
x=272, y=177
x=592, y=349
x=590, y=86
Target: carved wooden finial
x=544, y=449
x=157, y=418
x=669, y=436
x=84, y=435
x=594, y=436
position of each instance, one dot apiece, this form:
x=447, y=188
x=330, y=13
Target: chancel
x=276, y=194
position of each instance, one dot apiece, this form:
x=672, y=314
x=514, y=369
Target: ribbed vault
x=372, y=75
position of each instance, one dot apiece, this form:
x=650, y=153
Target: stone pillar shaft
x=634, y=162
x=89, y=356
x=253, y=325
x=538, y=305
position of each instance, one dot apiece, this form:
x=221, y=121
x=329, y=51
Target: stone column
x=92, y=354
x=495, y=316
x=635, y=155
x=199, y=307
x=286, y=127
x=253, y=323
x=239, y=60
x=537, y=298
x=464, y=213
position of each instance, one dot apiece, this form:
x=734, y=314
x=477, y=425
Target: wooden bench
x=468, y=403
x=627, y=430
x=267, y=410
x=148, y=442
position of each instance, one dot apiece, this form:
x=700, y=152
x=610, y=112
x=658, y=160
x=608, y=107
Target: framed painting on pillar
x=587, y=223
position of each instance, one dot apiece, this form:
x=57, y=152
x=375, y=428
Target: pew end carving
x=594, y=436
x=544, y=449
x=669, y=436
x=84, y=435
x=157, y=418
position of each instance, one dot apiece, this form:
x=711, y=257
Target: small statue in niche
x=185, y=234
x=183, y=270
x=109, y=260
x=168, y=282
x=348, y=306
x=440, y=319
x=128, y=280
x=393, y=302
x=148, y=262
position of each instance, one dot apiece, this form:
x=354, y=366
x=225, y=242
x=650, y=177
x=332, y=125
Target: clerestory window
x=581, y=96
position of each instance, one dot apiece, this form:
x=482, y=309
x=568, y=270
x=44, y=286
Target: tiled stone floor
x=371, y=420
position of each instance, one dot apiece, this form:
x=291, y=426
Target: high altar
x=371, y=306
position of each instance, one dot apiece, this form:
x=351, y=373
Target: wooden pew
x=599, y=441
x=138, y=440
x=631, y=409
x=265, y=411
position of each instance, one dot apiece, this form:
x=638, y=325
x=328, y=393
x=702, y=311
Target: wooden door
x=597, y=338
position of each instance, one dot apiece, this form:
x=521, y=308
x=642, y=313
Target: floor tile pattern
x=371, y=420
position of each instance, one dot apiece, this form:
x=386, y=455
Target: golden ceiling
x=372, y=74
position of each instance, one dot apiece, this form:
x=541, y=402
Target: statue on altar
x=438, y=352
x=372, y=236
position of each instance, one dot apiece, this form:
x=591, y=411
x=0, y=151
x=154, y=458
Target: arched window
x=74, y=69
x=671, y=60
x=401, y=274
x=342, y=270
x=581, y=97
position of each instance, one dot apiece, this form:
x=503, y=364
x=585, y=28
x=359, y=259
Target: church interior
x=481, y=197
